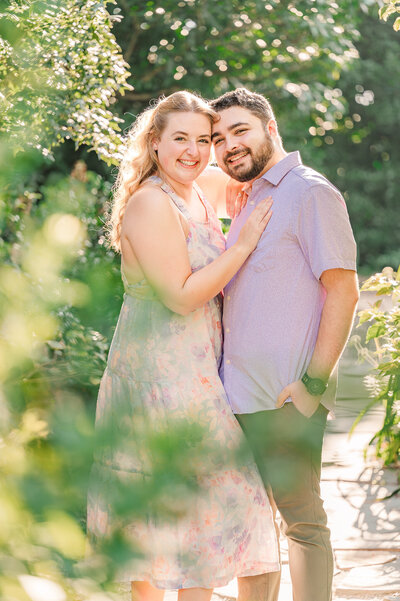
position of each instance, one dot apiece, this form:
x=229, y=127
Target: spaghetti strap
x=179, y=203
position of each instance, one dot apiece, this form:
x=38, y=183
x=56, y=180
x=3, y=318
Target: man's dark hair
x=255, y=103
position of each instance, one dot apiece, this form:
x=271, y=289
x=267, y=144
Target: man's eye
x=240, y=131
x=217, y=141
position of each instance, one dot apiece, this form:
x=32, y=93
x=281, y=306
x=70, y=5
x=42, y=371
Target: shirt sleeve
x=324, y=232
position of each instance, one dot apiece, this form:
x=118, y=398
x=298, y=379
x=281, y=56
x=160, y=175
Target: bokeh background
x=73, y=76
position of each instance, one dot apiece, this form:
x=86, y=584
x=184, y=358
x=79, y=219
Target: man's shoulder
x=306, y=178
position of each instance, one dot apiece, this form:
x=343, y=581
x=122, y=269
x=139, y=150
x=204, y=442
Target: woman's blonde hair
x=140, y=159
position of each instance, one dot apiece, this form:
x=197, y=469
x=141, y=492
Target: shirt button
x=251, y=202
x=228, y=361
x=227, y=329
x=228, y=297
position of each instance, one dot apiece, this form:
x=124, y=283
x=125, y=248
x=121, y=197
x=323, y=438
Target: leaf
x=374, y=331
x=364, y=316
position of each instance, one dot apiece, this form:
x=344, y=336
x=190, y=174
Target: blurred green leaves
x=60, y=69
x=385, y=379
x=389, y=8
x=291, y=52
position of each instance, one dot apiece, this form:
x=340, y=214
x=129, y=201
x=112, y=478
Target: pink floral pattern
x=163, y=366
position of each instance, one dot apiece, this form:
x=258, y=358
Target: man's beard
x=260, y=158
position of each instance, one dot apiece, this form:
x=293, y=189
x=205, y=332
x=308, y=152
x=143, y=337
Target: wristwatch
x=314, y=386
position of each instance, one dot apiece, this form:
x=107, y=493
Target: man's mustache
x=233, y=154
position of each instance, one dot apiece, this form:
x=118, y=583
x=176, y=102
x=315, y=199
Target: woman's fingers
x=267, y=217
x=238, y=204
x=263, y=207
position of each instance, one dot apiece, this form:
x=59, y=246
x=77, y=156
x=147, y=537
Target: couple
x=290, y=294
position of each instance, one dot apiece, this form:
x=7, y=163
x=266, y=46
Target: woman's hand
x=255, y=225
x=154, y=233
x=236, y=196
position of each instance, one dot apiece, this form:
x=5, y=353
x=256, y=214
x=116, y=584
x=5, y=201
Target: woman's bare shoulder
x=149, y=201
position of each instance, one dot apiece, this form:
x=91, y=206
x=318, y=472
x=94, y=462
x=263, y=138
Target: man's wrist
x=314, y=386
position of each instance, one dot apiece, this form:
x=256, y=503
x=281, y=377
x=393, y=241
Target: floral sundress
x=163, y=367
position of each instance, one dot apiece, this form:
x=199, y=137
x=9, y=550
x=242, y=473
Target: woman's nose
x=192, y=148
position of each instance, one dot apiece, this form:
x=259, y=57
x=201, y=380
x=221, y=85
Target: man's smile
x=237, y=157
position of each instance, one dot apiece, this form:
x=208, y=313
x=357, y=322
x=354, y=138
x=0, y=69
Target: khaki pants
x=287, y=448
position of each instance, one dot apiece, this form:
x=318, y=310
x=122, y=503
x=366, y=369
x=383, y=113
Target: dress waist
x=141, y=290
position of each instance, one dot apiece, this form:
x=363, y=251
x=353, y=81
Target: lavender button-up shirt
x=272, y=307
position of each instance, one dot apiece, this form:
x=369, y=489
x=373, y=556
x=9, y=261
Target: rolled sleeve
x=324, y=232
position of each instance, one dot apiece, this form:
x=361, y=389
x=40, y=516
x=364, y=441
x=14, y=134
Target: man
x=287, y=316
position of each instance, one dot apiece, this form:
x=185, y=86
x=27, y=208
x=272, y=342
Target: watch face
x=316, y=386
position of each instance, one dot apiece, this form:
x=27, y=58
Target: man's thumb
x=282, y=397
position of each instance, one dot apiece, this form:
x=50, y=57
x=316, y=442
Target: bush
x=385, y=379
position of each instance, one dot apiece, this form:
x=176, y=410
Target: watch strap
x=314, y=386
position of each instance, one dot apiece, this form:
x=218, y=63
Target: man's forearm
x=336, y=322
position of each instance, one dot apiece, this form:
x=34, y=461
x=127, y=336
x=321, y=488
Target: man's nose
x=231, y=143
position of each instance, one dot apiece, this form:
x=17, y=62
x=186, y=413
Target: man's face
x=242, y=145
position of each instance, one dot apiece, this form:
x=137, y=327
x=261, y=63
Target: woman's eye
x=204, y=141
x=179, y=139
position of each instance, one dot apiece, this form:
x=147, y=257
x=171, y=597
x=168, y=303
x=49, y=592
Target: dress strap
x=172, y=194
x=207, y=205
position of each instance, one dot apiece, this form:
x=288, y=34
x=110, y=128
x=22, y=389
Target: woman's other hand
x=237, y=194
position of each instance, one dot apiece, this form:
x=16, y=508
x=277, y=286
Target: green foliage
x=292, y=53
x=390, y=7
x=60, y=68
x=385, y=381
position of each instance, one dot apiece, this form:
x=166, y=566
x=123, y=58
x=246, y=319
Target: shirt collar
x=278, y=171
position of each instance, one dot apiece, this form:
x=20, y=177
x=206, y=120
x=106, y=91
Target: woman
x=163, y=361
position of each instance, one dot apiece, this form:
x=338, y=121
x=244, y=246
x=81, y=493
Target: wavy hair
x=140, y=160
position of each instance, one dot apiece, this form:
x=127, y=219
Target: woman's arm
x=154, y=231
x=224, y=193
x=213, y=182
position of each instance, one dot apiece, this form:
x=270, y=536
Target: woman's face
x=184, y=146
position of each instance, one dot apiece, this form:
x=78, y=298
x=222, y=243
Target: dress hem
x=167, y=585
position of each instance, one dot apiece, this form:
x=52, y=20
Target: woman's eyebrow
x=184, y=133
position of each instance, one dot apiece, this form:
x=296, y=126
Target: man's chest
x=278, y=241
